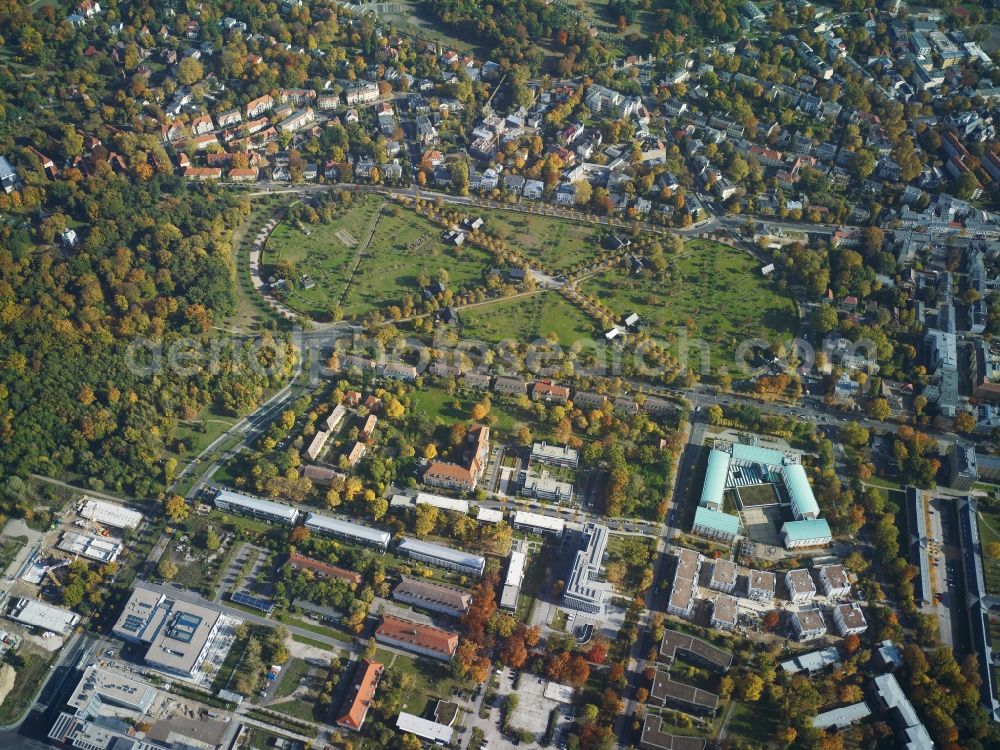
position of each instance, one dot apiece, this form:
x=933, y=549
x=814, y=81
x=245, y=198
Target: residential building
x=442, y=556
x=543, y=390
x=450, y=476
x=433, y=596
x=725, y=611
x=655, y=737
x=354, y=532
x=361, y=92
x=544, y=487
x=808, y=624
x=800, y=585
x=834, y=580
x=761, y=586
x=694, y=649
x=723, y=576
x=670, y=694
x=416, y=638
x=323, y=570
x=849, y=619
x=681, y=602
x=246, y=505
x=362, y=692
x=510, y=386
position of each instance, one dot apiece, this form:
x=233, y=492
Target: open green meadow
x=989, y=532
x=557, y=243
x=715, y=290
x=526, y=319
x=362, y=275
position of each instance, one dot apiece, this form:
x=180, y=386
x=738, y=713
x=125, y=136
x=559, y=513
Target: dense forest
x=153, y=264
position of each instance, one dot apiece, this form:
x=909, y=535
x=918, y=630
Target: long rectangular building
x=109, y=514
x=416, y=638
x=583, y=589
x=269, y=510
x=102, y=549
x=670, y=694
x=36, y=614
x=538, y=523
x=443, y=557
x=442, y=502
x=433, y=596
x=355, y=532
x=695, y=649
x=512, y=583
x=366, y=677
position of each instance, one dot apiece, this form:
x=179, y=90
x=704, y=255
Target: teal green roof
x=715, y=478
x=758, y=455
x=716, y=521
x=801, y=494
x=813, y=529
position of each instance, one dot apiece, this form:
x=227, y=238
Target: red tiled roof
x=301, y=562
x=364, y=690
x=423, y=636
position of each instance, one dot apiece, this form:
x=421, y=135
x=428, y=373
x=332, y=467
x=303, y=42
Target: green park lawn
x=716, y=291
x=989, y=531
x=432, y=680
x=526, y=319
x=403, y=246
x=558, y=243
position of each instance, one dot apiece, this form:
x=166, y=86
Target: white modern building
x=443, y=557
x=354, y=532
x=725, y=611
x=760, y=586
x=834, y=580
x=425, y=729
x=555, y=454
x=849, y=619
x=235, y=502
x=512, y=583
x=800, y=585
x=109, y=514
x=37, y=614
x=538, y=523
x=723, y=576
x=584, y=590
x=808, y=624
x=178, y=635
x=682, y=595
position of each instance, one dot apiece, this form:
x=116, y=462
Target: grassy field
x=753, y=725
x=715, y=290
x=194, y=435
x=9, y=547
x=526, y=319
x=989, y=531
x=402, y=247
x=436, y=403
x=31, y=672
x=432, y=680
x=294, y=671
x=558, y=243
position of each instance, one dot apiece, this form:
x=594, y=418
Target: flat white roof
x=45, y=616
x=526, y=518
x=109, y=514
x=442, y=502
x=562, y=693
x=337, y=526
x=489, y=515
x=103, y=549
x=425, y=728
x=256, y=505
x=429, y=549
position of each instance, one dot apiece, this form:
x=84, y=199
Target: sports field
x=369, y=258
x=714, y=290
